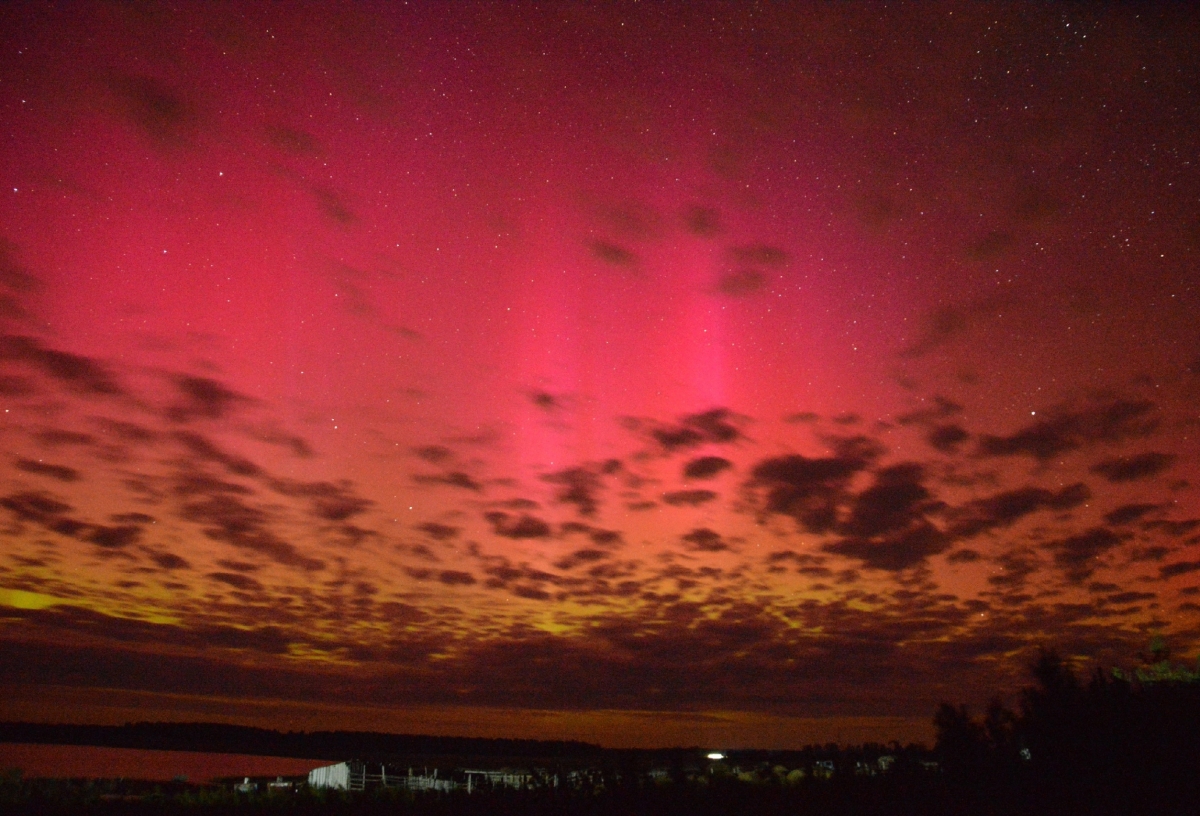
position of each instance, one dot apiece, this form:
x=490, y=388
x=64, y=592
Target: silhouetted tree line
x=1121, y=742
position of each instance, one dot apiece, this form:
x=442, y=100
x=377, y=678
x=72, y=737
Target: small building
x=358, y=775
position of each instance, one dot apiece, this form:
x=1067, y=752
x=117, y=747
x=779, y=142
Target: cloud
x=439, y=532
x=1078, y=555
x=896, y=500
x=1010, y=506
x=702, y=221
x=456, y=578
x=82, y=374
x=947, y=438
x=950, y=322
x=158, y=110
x=1066, y=431
x=1129, y=513
x=525, y=526
x=715, y=425
x=703, y=539
x=613, y=254
x=808, y=490
x=741, y=282
x=52, y=515
x=454, y=478
x=706, y=467
x=688, y=498
x=228, y=519
x=1178, y=568
x=579, y=487
x=204, y=398
x=1135, y=467
x=328, y=501
x=60, y=472
x=206, y=450
x=758, y=255
x=242, y=582
x=434, y=454
x=584, y=556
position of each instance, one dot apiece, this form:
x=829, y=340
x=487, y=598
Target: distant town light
x=716, y=755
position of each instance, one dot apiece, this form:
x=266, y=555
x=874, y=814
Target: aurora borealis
x=642, y=373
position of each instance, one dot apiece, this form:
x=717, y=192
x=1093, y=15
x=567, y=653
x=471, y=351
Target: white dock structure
x=356, y=775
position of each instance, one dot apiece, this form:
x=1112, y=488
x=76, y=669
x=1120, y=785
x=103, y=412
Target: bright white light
x=715, y=755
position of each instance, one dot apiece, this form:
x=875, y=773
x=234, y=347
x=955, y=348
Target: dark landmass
x=1122, y=743
x=331, y=745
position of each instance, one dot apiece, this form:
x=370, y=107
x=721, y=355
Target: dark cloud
x=1015, y=568
x=897, y=549
x=456, y=578
x=228, y=519
x=1132, y=468
x=544, y=400
x=947, y=438
x=60, y=472
x=714, y=425
x=1178, y=568
x=438, y=532
x=132, y=518
x=159, y=111
x=13, y=274
x=295, y=141
x=525, y=526
x=705, y=467
x=1130, y=597
x=1006, y=508
x=896, y=500
x=11, y=386
x=333, y=206
x=584, y=556
x=1071, y=430
x=238, y=581
x=741, y=282
x=454, y=478
x=54, y=437
x=237, y=566
x=808, y=490
x=202, y=397
x=1174, y=529
x=435, y=454
x=169, y=561
x=949, y=322
x=703, y=221
x=80, y=373
x=328, y=501
x=1078, y=555
x=52, y=514
x=205, y=449
x=802, y=416
x=688, y=498
x=580, y=487
x=1128, y=513
x=613, y=254
x=941, y=409
x=703, y=539
x=114, y=537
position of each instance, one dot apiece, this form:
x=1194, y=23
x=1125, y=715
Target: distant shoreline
x=45, y=761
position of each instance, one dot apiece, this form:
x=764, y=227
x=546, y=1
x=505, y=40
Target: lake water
x=131, y=763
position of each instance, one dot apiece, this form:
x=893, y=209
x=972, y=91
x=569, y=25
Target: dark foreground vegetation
x=1119, y=742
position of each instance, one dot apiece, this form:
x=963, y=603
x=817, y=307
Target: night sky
x=641, y=373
